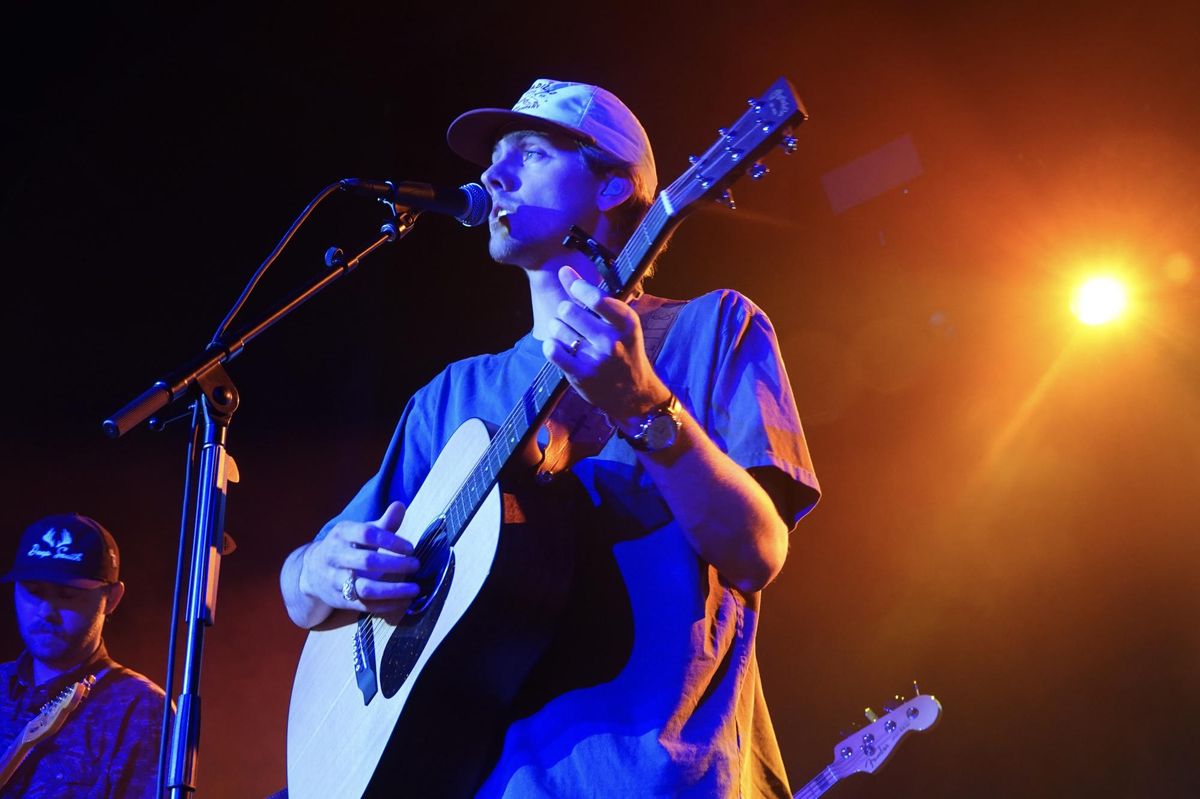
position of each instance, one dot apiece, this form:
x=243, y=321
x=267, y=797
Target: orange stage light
x=1099, y=300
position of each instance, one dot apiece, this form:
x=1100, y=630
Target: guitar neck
x=645, y=242
x=536, y=404
x=548, y=387
x=818, y=784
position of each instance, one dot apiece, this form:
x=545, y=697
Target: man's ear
x=613, y=191
x=115, y=592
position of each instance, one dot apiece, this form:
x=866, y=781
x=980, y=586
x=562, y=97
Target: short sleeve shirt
x=680, y=711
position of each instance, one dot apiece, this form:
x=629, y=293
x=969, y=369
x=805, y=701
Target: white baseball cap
x=578, y=110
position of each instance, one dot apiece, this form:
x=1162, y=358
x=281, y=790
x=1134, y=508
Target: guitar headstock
x=767, y=122
x=867, y=748
x=55, y=712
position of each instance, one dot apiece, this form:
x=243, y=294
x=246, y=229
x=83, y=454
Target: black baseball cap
x=67, y=549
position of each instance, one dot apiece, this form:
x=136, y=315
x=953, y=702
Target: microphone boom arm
x=167, y=390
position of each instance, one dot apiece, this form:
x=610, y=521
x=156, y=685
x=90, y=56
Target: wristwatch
x=658, y=430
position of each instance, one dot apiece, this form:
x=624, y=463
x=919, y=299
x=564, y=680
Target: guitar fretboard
x=549, y=385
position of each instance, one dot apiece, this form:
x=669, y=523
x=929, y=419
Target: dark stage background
x=1011, y=499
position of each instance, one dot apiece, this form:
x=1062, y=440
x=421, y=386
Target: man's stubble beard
x=501, y=249
x=48, y=648
x=506, y=250
x=61, y=647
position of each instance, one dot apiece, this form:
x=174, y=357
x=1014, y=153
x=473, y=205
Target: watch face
x=661, y=431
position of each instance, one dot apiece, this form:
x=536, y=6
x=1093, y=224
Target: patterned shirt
x=106, y=749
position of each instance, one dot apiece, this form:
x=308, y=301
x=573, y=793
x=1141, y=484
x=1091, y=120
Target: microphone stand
x=216, y=400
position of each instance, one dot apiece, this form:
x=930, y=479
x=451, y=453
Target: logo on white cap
x=539, y=92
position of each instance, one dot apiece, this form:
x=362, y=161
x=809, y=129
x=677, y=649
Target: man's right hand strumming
x=358, y=566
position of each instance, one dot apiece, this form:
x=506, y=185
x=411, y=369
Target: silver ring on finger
x=349, y=590
x=573, y=347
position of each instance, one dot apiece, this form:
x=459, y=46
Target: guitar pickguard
x=411, y=635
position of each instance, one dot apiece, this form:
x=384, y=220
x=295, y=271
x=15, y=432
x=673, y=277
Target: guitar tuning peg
x=726, y=199
x=692, y=159
x=789, y=144
x=916, y=689
x=871, y=715
x=755, y=104
x=758, y=170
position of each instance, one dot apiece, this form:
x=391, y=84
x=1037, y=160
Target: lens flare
x=1099, y=300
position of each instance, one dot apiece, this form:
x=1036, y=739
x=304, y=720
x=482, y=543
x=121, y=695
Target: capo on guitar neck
x=579, y=239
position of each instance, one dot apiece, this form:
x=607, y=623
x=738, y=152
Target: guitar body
x=425, y=712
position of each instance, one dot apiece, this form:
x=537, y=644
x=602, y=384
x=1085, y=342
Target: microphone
x=469, y=203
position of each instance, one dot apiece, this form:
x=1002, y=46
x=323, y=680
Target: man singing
x=650, y=686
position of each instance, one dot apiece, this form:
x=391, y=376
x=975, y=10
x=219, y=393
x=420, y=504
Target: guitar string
x=811, y=790
x=425, y=545
x=657, y=218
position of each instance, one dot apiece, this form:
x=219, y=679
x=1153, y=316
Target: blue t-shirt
x=683, y=713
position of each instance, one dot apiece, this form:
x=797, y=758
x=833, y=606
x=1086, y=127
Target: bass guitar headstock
x=867, y=748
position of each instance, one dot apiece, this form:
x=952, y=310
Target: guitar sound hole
x=434, y=554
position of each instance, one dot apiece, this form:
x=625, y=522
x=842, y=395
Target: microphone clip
x=402, y=221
